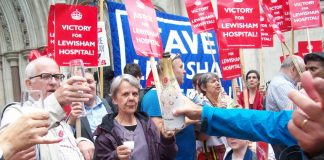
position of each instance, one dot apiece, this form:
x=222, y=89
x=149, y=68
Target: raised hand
x=307, y=125
x=71, y=91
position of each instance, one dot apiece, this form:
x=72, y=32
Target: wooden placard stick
x=245, y=93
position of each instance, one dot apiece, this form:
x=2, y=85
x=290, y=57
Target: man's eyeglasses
x=48, y=76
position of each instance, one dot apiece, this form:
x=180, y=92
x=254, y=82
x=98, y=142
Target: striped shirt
x=277, y=93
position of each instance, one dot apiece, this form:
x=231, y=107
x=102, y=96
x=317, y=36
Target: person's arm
x=86, y=147
x=31, y=129
x=104, y=148
x=251, y=125
x=167, y=146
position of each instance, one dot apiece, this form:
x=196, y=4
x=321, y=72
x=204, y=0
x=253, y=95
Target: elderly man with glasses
x=43, y=74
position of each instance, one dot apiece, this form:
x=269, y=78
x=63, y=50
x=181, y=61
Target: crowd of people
x=289, y=115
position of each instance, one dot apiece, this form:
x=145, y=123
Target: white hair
x=31, y=67
x=289, y=61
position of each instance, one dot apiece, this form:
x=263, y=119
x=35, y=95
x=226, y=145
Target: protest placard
x=266, y=32
x=76, y=34
x=237, y=25
x=230, y=63
x=305, y=14
x=201, y=15
x=144, y=28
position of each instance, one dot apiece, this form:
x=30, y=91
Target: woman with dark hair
x=213, y=147
x=128, y=134
x=255, y=96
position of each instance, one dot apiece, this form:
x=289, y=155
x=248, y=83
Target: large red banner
x=51, y=30
x=76, y=35
x=144, y=28
x=230, y=63
x=237, y=25
x=303, y=47
x=305, y=14
x=280, y=11
x=266, y=32
x=201, y=15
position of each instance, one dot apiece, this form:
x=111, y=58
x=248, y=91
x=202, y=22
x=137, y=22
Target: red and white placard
x=103, y=50
x=303, y=48
x=279, y=10
x=305, y=14
x=201, y=15
x=51, y=30
x=144, y=28
x=266, y=32
x=237, y=25
x=230, y=63
x=76, y=34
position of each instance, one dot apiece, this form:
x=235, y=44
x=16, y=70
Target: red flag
x=230, y=63
x=144, y=28
x=201, y=15
x=273, y=23
x=237, y=25
x=305, y=14
x=76, y=34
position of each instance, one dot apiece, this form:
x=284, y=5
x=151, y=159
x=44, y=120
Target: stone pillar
x=13, y=60
x=2, y=91
x=23, y=61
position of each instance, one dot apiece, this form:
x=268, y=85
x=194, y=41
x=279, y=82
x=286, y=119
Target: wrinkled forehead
x=46, y=67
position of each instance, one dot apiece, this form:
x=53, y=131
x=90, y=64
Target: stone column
x=2, y=91
x=13, y=61
x=23, y=61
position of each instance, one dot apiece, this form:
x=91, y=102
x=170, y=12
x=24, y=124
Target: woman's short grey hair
x=119, y=79
x=204, y=79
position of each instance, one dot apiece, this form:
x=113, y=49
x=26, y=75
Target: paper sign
x=266, y=32
x=303, y=48
x=103, y=50
x=305, y=14
x=278, y=9
x=237, y=25
x=144, y=28
x=51, y=30
x=76, y=34
x=201, y=15
x=230, y=63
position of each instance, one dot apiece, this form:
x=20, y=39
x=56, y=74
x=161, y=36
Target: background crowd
x=288, y=114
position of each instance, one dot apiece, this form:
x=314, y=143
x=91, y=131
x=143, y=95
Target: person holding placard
x=255, y=96
x=128, y=134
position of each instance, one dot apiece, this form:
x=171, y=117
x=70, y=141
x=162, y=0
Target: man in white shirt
x=43, y=74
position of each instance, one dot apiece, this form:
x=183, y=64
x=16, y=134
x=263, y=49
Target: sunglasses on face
x=48, y=76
